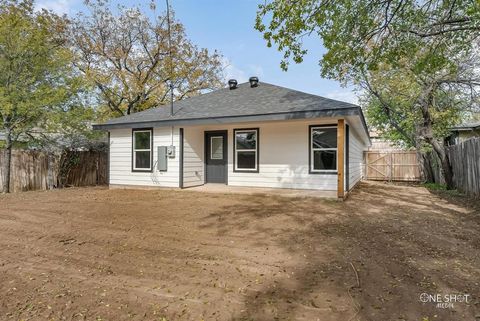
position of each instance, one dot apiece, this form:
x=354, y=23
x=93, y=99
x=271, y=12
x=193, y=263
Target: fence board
x=403, y=166
x=36, y=170
x=465, y=161
x=392, y=165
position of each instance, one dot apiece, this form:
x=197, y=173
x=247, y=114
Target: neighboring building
x=463, y=132
x=256, y=135
x=57, y=141
x=379, y=143
x=21, y=142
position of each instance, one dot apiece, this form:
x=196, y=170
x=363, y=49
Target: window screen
x=323, y=149
x=142, y=150
x=246, y=149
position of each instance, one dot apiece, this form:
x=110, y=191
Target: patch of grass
x=441, y=189
x=435, y=186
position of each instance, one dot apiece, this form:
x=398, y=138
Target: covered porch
x=284, y=192
x=278, y=160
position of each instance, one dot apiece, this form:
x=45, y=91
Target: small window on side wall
x=323, y=149
x=142, y=150
x=246, y=150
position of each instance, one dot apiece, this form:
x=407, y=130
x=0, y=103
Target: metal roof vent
x=232, y=84
x=253, y=82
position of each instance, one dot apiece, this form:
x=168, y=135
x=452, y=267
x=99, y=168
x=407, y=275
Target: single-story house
x=253, y=134
x=462, y=132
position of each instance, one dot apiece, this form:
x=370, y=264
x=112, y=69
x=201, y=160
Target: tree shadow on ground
x=401, y=241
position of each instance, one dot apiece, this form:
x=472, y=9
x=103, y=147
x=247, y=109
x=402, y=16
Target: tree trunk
x=8, y=162
x=445, y=163
x=426, y=167
x=434, y=167
x=426, y=101
x=424, y=161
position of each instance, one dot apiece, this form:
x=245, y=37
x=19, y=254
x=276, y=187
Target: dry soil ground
x=99, y=254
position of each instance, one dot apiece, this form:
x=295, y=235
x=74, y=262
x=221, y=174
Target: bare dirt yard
x=99, y=254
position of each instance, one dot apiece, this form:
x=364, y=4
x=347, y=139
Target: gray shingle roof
x=266, y=101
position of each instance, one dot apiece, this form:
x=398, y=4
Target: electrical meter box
x=162, y=158
x=171, y=151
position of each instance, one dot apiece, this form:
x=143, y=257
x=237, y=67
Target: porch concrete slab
x=286, y=192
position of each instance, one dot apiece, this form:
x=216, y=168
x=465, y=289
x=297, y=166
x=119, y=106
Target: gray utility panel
x=162, y=158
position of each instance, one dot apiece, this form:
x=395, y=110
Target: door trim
x=205, y=152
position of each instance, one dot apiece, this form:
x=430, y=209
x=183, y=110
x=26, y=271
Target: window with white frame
x=323, y=149
x=142, y=150
x=246, y=150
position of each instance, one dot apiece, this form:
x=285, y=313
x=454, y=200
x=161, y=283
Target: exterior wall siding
x=356, y=159
x=465, y=135
x=283, y=151
x=121, y=159
x=283, y=161
x=193, y=157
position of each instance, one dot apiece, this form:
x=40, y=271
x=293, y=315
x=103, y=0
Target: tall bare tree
x=126, y=56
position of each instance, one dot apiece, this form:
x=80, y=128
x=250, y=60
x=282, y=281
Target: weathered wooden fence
x=393, y=165
x=36, y=170
x=465, y=160
x=90, y=168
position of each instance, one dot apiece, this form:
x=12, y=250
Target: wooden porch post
x=341, y=158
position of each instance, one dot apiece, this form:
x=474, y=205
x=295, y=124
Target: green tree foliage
x=361, y=33
x=126, y=56
x=414, y=60
x=37, y=82
x=392, y=102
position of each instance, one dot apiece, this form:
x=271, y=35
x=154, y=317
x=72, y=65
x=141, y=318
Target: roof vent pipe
x=253, y=82
x=232, y=84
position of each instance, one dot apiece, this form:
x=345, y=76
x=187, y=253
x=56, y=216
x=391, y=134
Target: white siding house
x=120, y=160
x=295, y=144
x=356, y=149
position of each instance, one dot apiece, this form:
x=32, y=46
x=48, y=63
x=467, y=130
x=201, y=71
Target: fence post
x=390, y=167
x=97, y=161
x=49, y=172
